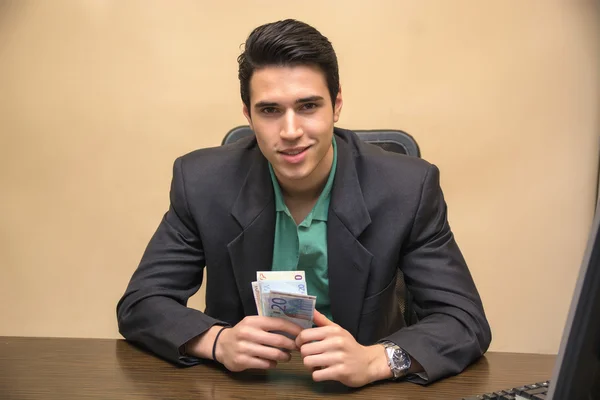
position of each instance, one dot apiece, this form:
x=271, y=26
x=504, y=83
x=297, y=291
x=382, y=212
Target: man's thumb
x=321, y=320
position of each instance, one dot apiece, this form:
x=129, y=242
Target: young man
x=304, y=195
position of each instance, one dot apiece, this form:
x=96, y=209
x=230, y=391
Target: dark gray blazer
x=387, y=212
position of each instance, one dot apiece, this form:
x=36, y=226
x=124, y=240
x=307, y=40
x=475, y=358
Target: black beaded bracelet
x=215, y=343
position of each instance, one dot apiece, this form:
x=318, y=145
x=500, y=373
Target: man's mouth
x=295, y=151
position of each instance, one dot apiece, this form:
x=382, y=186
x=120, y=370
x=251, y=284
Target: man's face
x=292, y=117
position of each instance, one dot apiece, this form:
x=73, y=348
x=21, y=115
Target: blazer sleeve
x=452, y=330
x=153, y=311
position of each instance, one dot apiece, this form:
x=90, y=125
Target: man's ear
x=337, y=107
x=246, y=113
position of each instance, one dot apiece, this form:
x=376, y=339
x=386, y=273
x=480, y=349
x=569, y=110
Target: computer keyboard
x=535, y=391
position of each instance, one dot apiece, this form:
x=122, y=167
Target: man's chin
x=292, y=176
x=295, y=177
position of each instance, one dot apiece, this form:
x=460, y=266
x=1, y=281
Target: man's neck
x=301, y=196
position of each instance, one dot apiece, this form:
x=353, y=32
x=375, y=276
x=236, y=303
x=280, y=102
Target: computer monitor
x=576, y=374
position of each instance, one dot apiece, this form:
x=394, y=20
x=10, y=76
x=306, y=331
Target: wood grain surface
x=55, y=368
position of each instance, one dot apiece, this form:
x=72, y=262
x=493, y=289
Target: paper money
x=296, y=287
x=257, y=298
x=280, y=276
x=293, y=287
x=284, y=294
x=292, y=307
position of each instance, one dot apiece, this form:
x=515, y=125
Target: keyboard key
x=539, y=390
x=533, y=391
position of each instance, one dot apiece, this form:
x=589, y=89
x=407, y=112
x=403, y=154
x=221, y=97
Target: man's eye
x=269, y=110
x=309, y=106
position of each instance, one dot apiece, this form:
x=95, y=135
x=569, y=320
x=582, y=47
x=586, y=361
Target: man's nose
x=291, y=129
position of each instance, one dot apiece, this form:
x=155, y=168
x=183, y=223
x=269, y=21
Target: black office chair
x=391, y=140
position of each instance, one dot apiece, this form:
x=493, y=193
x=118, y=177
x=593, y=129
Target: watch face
x=398, y=359
x=401, y=359
x=400, y=362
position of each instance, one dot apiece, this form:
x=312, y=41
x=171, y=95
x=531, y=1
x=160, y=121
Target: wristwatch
x=398, y=359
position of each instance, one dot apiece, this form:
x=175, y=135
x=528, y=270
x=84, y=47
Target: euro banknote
x=284, y=294
x=296, y=308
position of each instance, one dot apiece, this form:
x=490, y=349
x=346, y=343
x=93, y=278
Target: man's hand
x=332, y=353
x=250, y=343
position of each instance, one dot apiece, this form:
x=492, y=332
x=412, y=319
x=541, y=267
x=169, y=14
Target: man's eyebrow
x=265, y=104
x=308, y=99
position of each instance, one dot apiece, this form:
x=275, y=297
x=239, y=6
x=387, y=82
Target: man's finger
x=277, y=324
x=313, y=334
x=321, y=320
x=271, y=339
x=327, y=374
x=259, y=363
x=310, y=349
x=267, y=353
x=321, y=360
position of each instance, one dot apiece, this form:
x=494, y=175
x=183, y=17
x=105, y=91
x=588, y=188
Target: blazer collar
x=347, y=200
x=252, y=249
x=256, y=192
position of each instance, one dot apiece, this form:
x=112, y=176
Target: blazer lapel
x=252, y=249
x=348, y=261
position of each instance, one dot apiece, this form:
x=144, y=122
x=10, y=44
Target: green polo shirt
x=303, y=247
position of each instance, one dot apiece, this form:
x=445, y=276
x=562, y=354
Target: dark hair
x=287, y=43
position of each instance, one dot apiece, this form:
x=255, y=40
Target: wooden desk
x=44, y=368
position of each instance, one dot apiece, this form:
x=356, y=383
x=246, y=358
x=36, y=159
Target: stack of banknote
x=283, y=294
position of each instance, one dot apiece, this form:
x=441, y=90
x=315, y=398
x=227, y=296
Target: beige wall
x=97, y=98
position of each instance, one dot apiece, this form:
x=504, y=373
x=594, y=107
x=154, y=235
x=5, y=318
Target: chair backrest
x=396, y=141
